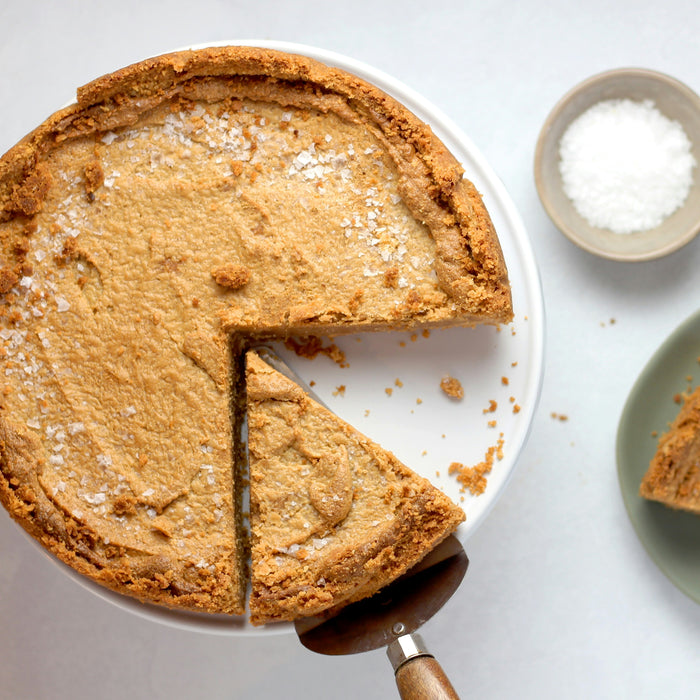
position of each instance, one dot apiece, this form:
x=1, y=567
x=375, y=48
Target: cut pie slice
x=673, y=477
x=334, y=516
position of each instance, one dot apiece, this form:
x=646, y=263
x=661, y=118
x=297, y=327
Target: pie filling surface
x=182, y=208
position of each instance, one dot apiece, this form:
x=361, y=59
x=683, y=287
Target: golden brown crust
x=392, y=519
x=673, y=477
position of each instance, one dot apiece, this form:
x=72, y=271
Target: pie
x=673, y=477
x=183, y=207
x=333, y=516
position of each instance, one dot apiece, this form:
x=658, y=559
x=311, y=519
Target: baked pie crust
x=182, y=207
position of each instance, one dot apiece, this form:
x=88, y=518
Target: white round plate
x=392, y=384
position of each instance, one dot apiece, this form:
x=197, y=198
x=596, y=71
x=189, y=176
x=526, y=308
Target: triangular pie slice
x=673, y=477
x=181, y=206
x=334, y=516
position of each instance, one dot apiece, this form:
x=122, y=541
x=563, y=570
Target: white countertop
x=561, y=598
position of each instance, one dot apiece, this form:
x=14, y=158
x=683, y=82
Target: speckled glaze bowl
x=674, y=100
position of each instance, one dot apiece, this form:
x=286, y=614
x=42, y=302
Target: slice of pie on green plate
x=673, y=477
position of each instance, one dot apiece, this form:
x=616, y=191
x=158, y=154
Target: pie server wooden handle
x=418, y=674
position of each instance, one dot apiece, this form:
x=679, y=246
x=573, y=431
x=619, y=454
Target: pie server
x=390, y=617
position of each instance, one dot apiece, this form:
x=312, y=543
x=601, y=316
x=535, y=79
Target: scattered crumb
x=94, y=178
x=339, y=390
x=402, y=344
x=474, y=478
x=655, y=433
x=511, y=399
x=493, y=405
x=366, y=412
x=514, y=364
x=389, y=391
x=391, y=277
x=452, y=387
x=492, y=424
x=312, y=383
x=505, y=381
x=437, y=473
x=312, y=346
x=677, y=398
x=414, y=337
x=423, y=453
x=231, y=276
x=425, y=333
x=559, y=416
x=516, y=408
x=398, y=383
x=419, y=401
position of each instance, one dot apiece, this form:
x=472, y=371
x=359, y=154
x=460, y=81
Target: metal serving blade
x=399, y=609
x=267, y=354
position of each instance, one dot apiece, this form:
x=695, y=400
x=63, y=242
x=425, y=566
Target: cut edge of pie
x=468, y=264
x=673, y=476
x=334, y=516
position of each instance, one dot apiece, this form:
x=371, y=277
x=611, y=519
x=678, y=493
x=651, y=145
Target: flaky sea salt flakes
x=75, y=428
x=61, y=304
x=625, y=166
x=104, y=460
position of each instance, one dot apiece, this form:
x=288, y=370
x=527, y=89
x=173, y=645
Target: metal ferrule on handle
x=418, y=674
x=404, y=648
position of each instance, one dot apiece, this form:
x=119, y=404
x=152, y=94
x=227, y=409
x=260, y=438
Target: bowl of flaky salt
x=617, y=164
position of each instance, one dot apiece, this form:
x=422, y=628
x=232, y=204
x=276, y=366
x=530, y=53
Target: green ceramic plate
x=672, y=538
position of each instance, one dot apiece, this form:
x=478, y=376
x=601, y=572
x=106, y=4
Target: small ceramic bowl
x=674, y=100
